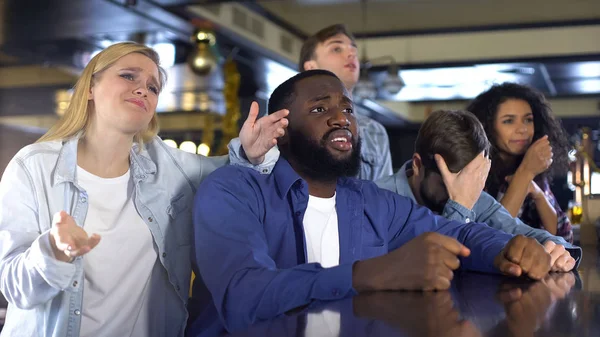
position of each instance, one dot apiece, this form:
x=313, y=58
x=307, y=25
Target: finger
x=276, y=119
x=449, y=259
x=569, y=265
x=279, y=115
x=514, y=249
x=556, y=252
x=508, y=268
x=448, y=243
x=486, y=170
x=93, y=241
x=536, y=260
x=561, y=262
x=444, y=171
x=80, y=239
x=543, y=139
x=477, y=163
x=252, y=114
x=527, y=260
x=445, y=272
x=60, y=218
x=539, y=144
x=549, y=246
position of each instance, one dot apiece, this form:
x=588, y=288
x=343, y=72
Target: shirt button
x=335, y=292
x=265, y=170
x=83, y=199
x=164, y=254
x=150, y=219
x=298, y=213
x=178, y=288
x=74, y=283
x=467, y=220
x=77, y=312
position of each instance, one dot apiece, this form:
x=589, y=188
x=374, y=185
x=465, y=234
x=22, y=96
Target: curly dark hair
x=485, y=107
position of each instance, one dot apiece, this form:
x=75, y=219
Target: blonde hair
x=77, y=115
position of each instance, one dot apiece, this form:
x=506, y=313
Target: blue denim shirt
x=486, y=210
x=44, y=294
x=375, y=151
x=250, y=249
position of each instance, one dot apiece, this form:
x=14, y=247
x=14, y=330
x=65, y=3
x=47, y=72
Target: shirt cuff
x=57, y=274
x=235, y=157
x=458, y=212
x=335, y=283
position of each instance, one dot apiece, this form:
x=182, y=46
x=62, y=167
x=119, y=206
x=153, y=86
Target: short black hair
x=455, y=135
x=284, y=93
x=485, y=108
x=307, y=52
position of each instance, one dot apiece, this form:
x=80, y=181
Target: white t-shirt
x=322, y=246
x=321, y=232
x=118, y=270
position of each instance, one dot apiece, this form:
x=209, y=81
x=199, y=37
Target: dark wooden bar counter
x=476, y=305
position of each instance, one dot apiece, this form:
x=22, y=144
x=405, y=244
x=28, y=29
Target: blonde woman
x=95, y=218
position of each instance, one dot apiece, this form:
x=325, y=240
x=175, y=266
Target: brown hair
x=307, y=52
x=456, y=135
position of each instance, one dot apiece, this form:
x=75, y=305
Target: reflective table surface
x=565, y=304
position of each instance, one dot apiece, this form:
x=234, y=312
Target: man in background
x=334, y=48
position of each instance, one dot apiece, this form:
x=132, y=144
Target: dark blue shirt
x=250, y=249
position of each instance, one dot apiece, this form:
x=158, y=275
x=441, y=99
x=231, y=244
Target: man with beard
x=265, y=245
x=447, y=174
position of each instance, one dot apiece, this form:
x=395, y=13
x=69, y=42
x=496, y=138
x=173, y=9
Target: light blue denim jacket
x=486, y=210
x=376, y=159
x=44, y=294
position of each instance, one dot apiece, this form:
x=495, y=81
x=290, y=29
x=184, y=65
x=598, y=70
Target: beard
x=316, y=161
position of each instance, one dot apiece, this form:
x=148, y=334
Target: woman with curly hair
x=529, y=148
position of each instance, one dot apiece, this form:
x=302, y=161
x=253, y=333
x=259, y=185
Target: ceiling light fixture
x=203, y=60
x=365, y=88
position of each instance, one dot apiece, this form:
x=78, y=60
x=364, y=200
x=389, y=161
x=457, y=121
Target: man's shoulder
x=243, y=184
x=486, y=204
x=370, y=190
x=368, y=123
x=388, y=183
x=233, y=175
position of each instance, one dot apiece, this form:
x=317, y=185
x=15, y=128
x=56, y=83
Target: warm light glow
x=188, y=146
x=202, y=36
x=578, y=182
x=586, y=178
x=203, y=149
x=170, y=143
x=188, y=101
